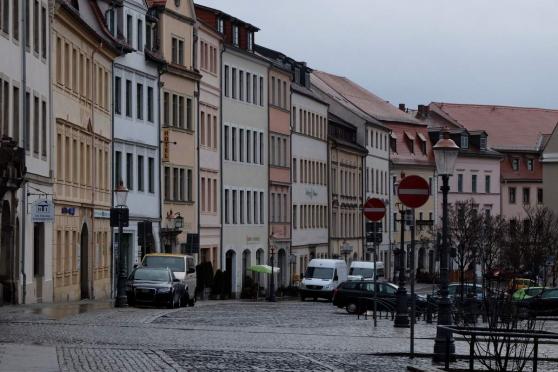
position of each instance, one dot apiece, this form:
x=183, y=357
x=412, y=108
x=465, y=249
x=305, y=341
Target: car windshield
x=319, y=272
x=151, y=275
x=364, y=272
x=533, y=291
x=553, y=293
x=176, y=264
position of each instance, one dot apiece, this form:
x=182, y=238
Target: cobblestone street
x=239, y=336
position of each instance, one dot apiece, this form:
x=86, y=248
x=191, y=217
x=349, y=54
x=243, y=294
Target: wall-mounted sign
x=311, y=193
x=101, y=213
x=42, y=211
x=69, y=210
x=166, y=141
x=252, y=239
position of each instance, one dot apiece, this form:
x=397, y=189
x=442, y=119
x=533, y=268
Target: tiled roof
x=510, y=128
x=364, y=99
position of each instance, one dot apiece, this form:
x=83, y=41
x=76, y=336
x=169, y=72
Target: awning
x=409, y=136
x=393, y=135
x=421, y=136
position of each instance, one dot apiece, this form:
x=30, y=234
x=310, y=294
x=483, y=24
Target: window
x=140, y=173
x=4, y=105
x=530, y=165
x=44, y=128
x=262, y=220
x=180, y=52
x=226, y=212
x=261, y=149
x=234, y=207
x=459, y=183
x=117, y=95
x=110, y=20
x=175, y=184
x=15, y=111
x=526, y=195
x=233, y=137
x=130, y=171
x=117, y=166
x=190, y=183
x=181, y=185
x=27, y=25
x=248, y=146
x=139, y=101
x=474, y=183
x=241, y=85
x=36, y=108
x=515, y=164
x=140, y=35
x=180, y=112
x=233, y=94
x=220, y=25
x=294, y=170
x=261, y=91
x=241, y=144
x=235, y=35
x=43, y=31
x=226, y=82
x=129, y=98
x=215, y=201
x=177, y=51
x=35, y=25
x=15, y=18
x=511, y=195
x=129, y=30
x=273, y=90
x=483, y=143
x=250, y=41
x=539, y=196
x=151, y=174
x=241, y=209
x=27, y=121
x=487, y=184
x=227, y=157
x=150, y=104
x=254, y=89
x=167, y=183
x=189, y=118
x=464, y=141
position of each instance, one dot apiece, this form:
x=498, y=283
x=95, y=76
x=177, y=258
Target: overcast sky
x=416, y=51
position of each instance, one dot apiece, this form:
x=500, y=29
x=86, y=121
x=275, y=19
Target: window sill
x=177, y=129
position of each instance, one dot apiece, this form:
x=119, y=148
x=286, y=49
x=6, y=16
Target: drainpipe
x=113, y=261
x=197, y=95
x=25, y=117
x=221, y=210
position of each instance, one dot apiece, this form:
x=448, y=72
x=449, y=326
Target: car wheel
x=172, y=302
x=192, y=301
x=351, y=308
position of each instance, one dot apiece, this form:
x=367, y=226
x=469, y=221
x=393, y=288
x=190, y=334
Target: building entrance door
x=84, y=262
x=7, y=256
x=39, y=259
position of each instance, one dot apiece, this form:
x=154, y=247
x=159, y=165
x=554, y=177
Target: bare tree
x=492, y=244
x=540, y=238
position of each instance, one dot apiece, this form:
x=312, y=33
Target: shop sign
x=42, y=211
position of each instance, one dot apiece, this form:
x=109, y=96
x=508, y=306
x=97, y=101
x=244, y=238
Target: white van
x=322, y=276
x=364, y=270
x=183, y=268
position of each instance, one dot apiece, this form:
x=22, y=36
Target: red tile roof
x=509, y=128
x=365, y=100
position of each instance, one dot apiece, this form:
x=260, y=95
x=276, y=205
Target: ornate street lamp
x=445, y=154
x=401, y=319
x=178, y=221
x=121, y=196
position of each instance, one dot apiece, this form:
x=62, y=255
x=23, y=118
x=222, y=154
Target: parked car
x=526, y=293
x=357, y=296
x=454, y=291
x=518, y=283
x=365, y=270
x=543, y=304
x=154, y=286
x=322, y=276
x=183, y=268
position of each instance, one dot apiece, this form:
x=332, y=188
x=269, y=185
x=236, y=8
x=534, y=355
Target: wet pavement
x=213, y=335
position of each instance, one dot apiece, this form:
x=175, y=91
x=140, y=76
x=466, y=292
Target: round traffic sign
x=374, y=209
x=413, y=191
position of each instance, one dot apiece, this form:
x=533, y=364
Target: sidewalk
x=28, y=358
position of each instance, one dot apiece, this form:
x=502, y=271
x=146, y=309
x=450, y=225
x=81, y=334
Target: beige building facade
x=550, y=172
x=82, y=107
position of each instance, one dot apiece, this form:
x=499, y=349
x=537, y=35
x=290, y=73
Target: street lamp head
x=445, y=154
x=121, y=194
x=178, y=221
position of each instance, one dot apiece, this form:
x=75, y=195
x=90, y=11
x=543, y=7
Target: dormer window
x=221, y=25
x=483, y=143
x=250, y=41
x=235, y=35
x=515, y=164
x=464, y=141
x=422, y=143
x=110, y=21
x=410, y=142
x=530, y=165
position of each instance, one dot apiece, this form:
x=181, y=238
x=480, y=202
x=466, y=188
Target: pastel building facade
x=210, y=44
x=244, y=143
x=25, y=117
x=82, y=110
x=136, y=161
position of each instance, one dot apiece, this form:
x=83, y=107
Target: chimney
x=422, y=111
x=402, y=107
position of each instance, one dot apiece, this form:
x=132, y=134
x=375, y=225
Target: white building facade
x=209, y=54
x=136, y=157
x=309, y=173
x=25, y=116
x=245, y=163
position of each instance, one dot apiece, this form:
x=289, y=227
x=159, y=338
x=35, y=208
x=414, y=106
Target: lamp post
x=271, y=297
x=445, y=154
x=121, y=195
x=402, y=311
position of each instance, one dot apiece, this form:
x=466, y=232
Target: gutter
x=25, y=117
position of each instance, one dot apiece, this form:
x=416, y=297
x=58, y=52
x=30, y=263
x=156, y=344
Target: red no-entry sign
x=374, y=209
x=413, y=191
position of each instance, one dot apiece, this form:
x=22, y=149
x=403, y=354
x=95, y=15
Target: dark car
x=543, y=304
x=357, y=296
x=470, y=291
x=154, y=286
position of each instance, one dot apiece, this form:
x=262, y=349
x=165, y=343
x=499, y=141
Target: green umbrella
x=265, y=269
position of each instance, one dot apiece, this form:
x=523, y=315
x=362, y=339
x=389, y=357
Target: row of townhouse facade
x=230, y=151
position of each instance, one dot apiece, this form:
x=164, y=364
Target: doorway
x=84, y=262
x=39, y=259
x=7, y=256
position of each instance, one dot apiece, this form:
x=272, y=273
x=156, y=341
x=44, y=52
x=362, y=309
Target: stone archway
x=84, y=262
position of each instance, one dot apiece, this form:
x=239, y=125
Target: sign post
x=413, y=191
x=374, y=210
